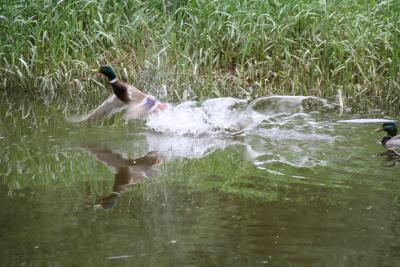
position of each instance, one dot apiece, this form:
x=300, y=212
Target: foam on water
x=286, y=104
x=229, y=115
x=270, y=130
x=198, y=118
x=172, y=147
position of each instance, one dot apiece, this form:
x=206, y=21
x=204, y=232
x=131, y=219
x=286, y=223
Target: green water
x=293, y=200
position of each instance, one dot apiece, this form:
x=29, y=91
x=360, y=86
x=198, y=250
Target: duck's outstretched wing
x=112, y=159
x=107, y=108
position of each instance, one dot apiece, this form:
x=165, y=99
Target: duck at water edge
x=391, y=140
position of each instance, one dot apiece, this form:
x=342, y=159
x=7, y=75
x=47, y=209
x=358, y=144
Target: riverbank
x=200, y=49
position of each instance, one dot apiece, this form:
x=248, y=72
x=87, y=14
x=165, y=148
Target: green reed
x=199, y=49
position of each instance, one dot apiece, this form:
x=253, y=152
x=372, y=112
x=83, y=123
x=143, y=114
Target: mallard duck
x=128, y=171
x=125, y=97
x=391, y=140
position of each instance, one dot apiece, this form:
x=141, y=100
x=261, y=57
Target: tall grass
x=200, y=49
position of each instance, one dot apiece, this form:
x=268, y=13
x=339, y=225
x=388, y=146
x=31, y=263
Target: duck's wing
x=107, y=108
x=134, y=94
x=146, y=105
x=112, y=159
x=138, y=110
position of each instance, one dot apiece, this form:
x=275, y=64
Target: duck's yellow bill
x=95, y=70
x=378, y=130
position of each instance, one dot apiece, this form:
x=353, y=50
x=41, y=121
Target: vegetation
x=199, y=49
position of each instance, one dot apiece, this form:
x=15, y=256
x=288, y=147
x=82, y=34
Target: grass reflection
x=39, y=150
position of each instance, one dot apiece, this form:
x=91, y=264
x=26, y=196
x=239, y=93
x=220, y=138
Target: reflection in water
x=128, y=172
x=392, y=158
x=294, y=188
x=276, y=135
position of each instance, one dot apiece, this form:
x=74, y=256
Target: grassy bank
x=201, y=49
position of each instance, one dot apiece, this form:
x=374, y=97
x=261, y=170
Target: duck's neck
x=112, y=78
x=110, y=74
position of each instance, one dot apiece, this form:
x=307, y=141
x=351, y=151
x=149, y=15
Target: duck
x=391, y=140
x=125, y=97
x=128, y=171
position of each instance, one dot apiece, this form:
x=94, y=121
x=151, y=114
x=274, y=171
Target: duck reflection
x=392, y=158
x=128, y=171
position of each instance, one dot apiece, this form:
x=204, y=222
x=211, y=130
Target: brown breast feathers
x=121, y=91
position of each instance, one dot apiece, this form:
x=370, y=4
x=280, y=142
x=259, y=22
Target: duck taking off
x=125, y=97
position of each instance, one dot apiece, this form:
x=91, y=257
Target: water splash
x=231, y=115
x=288, y=104
x=278, y=129
x=196, y=118
x=172, y=147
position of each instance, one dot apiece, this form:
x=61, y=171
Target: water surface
x=225, y=182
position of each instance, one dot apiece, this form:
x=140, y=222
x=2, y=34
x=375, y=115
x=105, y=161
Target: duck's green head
x=108, y=72
x=389, y=127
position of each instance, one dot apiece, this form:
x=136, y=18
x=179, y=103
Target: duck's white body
x=393, y=143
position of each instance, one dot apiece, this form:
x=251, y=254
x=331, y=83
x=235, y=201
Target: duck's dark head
x=390, y=128
x=108, y=72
